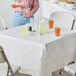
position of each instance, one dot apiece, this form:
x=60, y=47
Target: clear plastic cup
x=51, y=24
x=27, y=12
x=57, y=31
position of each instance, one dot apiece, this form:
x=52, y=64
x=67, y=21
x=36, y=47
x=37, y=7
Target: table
x=38, y=55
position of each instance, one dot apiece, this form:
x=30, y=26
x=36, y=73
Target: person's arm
x=35, y=7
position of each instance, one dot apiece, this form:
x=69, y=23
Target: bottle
x=30, y=28
x=42, y=28
x=15, y=4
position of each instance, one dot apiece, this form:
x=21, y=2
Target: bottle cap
x=30, y=28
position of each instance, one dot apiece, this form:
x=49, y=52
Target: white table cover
x=39, y=55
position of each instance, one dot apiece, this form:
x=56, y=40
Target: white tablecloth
x=38, y=55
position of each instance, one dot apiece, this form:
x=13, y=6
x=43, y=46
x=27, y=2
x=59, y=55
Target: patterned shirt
x=32, y=4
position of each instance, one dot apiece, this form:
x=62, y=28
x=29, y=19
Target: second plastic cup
x=51, y=24
x=57, y=31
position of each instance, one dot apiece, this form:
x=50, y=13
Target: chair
x=71, y=68
x=11, y=70
x=3, y=25
x=63, y=19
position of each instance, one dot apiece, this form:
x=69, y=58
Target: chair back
x=12, y=70
x=63, y=19
x=3, y=24
x=3, y=58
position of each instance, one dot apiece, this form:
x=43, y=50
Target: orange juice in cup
x=27, y=12
x=57, y=31
x=51, y=24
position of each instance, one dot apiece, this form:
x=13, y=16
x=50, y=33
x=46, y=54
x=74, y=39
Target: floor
x=21, y=74
x=56, y=73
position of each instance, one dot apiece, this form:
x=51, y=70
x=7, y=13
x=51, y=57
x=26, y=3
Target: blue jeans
x=20, y=19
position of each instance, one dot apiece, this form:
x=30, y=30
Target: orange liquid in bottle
x=15, y=6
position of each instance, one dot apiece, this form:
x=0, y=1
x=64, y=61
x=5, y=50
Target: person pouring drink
x=24, y=10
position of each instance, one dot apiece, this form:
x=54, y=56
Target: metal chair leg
x=73, y=24
x=60, y=72
x=9, y=73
